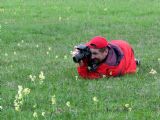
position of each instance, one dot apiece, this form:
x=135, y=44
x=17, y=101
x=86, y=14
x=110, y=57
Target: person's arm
x=85, y=73
x=102, y=70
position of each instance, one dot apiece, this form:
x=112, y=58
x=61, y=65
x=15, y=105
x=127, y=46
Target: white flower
x=68, y=104
x=56, y=56
x=37, y=46
x=35, y=114
x=95, y=99
x=43, y=113
x=153, y=71
x=22, y=41
x=1, y=107
x=53, y=99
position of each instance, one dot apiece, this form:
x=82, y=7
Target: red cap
x=97, y=42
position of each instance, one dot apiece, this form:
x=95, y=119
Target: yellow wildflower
x=53, y=99
x=126, y=105
x=49, y=48
x=32, y=78
x=95, y=99
x=56, y=56
x=130, y=109
x=17, y=108
x=68, y=104
x=35, y=105
x=43, y=113
x=20, y=88
x=18, y=102
x=60, y=18
x=26, y=91
x=41, y=76
x=35, y=114
x=65, y=57
x=153, y=71
x=76, y=77
x=15, y=53
x=18, y=44
x=6, y=54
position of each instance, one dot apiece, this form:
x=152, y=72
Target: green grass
x=61, y=24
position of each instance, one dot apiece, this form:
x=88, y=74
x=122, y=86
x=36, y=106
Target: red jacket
x=125, y=62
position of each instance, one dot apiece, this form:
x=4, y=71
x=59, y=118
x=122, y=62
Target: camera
x=84, y=52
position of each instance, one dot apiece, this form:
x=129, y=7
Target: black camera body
x=84, y=52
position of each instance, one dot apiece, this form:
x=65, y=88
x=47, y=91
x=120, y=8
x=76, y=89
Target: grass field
x=36, y=36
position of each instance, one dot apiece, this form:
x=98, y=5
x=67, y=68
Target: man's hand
x=75, y=51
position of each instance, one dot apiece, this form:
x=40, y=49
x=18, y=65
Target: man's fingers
x=73, y=53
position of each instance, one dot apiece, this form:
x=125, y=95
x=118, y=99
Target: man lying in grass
x=99, y=58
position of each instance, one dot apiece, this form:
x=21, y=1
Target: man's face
x=98, y=55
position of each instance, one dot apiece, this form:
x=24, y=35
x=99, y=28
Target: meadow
x=38, y=78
